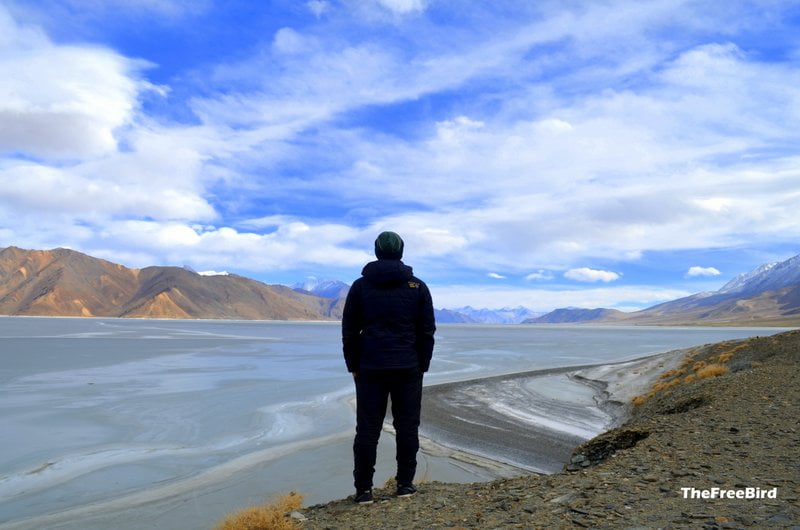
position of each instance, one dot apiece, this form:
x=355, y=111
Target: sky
x=540, y=154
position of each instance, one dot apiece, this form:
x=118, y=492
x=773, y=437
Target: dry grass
x=673, y=373
x=712, y=370
x=270, y=516
x=701, y=370
x=726, y=356
x=664, y=385
x=699, y=365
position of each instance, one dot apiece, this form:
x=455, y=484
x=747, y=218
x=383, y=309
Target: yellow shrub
x=658, y=387
x=699, y=365
x=271, y=516
x=689, y=378
x=724, y=357
x=639, y=400
x=712, y=370
x=673, y=383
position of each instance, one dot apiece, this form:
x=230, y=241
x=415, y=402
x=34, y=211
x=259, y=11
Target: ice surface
x=110, y=423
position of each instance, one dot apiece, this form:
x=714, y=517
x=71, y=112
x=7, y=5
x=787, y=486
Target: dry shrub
x=673, y=373
x=712, y=370
x=639, y=400
x=689, y=378
x=658, y=387
x=270, y=516
x=725, y=357
x=671, y=384
x=699, y=365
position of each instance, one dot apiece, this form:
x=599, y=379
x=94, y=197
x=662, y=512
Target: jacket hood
x=387, y=272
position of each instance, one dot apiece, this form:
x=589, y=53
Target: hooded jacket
x=388, y=320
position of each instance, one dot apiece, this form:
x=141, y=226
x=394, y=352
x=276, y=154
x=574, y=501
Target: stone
x=563, y=499
x=297, y=516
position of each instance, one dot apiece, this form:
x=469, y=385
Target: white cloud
x=291, y=245
x=289, y=41
x=62, y=101
x=585, y=274
x=702, y=271
x=86, y=194
x=495, y=276
x=403, y=6
x=318, y=7
x=539, y=275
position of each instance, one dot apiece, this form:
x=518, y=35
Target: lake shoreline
x=732, y=431
x=542, y=444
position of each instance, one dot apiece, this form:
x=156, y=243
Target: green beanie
x=388, y=246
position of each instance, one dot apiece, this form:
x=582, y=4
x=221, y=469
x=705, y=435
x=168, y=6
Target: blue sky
x=545, y=154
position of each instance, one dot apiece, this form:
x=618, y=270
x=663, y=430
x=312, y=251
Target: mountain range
x=64, y=282
x=468, y=314
x=767, y=295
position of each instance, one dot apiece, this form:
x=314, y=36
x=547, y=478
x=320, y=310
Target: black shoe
x=363, y=497
x=406, y=490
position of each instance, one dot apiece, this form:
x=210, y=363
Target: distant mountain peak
x=506, y=315
x=770, y=276
x=741, y=280
x=323, y=288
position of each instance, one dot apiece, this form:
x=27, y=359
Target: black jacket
x=388, y=319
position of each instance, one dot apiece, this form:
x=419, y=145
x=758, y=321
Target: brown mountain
x=574, y=315
x=64, y=282
x=766, y=296
x=778, y=307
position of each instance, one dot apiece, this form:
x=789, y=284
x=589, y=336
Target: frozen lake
x=172, y=424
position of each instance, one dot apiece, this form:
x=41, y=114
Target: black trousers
x=373, y=389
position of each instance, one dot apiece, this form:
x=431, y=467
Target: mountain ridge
x=767, y=295
x=64, y=282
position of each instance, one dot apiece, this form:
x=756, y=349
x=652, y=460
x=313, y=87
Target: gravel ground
x=734, y=431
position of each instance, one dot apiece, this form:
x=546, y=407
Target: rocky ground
x=731, y=431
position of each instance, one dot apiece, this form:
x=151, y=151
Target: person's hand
x=355, y=374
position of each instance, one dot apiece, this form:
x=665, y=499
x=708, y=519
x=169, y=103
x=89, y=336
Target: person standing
x=387, y=338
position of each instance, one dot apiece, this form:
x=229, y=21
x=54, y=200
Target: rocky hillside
x=64, y=282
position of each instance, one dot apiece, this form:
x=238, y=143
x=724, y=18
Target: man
x=387, y=338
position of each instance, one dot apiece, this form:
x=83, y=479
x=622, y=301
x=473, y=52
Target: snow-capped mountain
x=323, y=288
x=767, y=295
x=767, y=277
x=506, y=315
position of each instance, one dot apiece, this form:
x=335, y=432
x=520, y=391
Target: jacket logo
x=413, y=285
